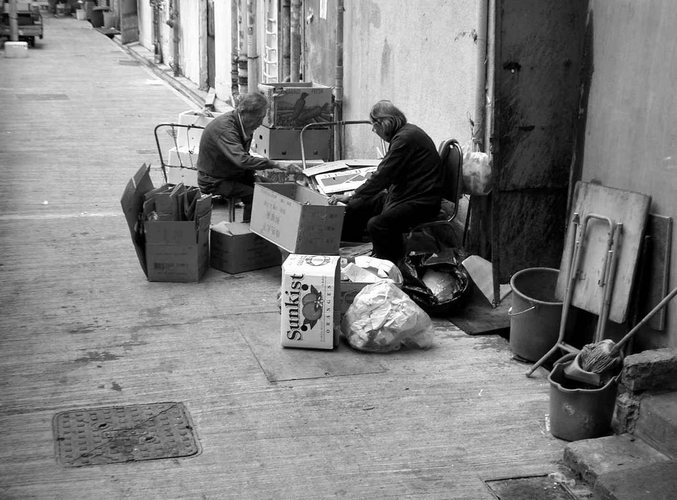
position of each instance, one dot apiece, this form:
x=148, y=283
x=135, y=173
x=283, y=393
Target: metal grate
x=129, y=62
x=117, y=434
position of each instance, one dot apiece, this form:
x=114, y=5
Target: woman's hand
x=338, y=198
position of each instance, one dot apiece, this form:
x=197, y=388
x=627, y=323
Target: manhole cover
x=115, y=434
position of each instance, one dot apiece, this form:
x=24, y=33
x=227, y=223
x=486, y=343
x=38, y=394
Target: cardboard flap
x=132, y=206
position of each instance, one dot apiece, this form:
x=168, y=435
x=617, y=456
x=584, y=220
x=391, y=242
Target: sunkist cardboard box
x=297, y=219
x=235, y=249
x=168, y=250
x=309, y=302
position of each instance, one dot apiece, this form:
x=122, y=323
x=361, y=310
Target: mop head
x=597, y=357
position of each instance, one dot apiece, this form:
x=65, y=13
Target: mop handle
x=646, y=318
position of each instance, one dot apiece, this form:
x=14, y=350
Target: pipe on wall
x=252, y=49
x=295, y=35
x=338, y=86
x=242, y=76
x=234, y=44
x=478, y=131
x=285, y=26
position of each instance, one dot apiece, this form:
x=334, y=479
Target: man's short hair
x=253, y=103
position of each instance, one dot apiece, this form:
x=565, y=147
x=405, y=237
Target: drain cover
x=115, y=434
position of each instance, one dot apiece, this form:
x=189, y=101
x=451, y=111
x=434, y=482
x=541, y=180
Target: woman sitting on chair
x=405, y=190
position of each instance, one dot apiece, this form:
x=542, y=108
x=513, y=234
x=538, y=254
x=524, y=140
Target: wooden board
x=656, y=280
x=626, y=207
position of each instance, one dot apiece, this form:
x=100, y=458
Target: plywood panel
x=623, y=207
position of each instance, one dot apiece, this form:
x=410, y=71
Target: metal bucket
x=535, y=313
x=576, y=412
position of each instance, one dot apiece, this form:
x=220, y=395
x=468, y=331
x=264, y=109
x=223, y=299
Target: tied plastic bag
x=382, y=318
x=477, y=178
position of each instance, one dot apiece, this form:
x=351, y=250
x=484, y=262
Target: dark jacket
x=410, y=171
x=224, y=153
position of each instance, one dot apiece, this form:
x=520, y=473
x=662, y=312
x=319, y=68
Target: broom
x=599, y=357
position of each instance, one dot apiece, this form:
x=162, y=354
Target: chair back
x=451, y=155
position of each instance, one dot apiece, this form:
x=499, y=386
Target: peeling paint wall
x=631, y=129
x=421, y=55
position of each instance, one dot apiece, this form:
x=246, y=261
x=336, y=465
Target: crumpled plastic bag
x=383, y=318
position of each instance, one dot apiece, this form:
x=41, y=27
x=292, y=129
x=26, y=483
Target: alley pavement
x=82, y=329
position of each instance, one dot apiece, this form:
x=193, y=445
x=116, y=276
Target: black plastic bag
x=434, y=276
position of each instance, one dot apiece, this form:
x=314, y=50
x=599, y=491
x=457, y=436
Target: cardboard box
x=177, y=251
x=177, y=159
x=297, y=219
x=19, y=50
x=168, y=250
x=297, y=104
x=189, y=137
x=310, y=316
x=285, y=144
x=235, y=249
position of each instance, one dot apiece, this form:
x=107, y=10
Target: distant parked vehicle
x=29, y=23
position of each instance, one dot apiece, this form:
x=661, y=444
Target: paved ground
x=81, y=327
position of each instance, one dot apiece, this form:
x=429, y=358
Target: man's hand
x=291, y=168
x=338, y=198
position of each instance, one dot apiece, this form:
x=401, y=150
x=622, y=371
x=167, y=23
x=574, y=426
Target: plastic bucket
x=535, y=313
x=576, y=412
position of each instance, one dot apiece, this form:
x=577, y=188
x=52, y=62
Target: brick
x=653, y=369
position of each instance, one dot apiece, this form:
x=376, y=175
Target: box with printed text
x=309, y=302
x=297, y=219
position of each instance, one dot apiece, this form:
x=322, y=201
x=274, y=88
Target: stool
x=230, y=201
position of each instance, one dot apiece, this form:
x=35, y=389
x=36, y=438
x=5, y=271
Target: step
x=592, y=458
x=657, y=481
x=657, y=422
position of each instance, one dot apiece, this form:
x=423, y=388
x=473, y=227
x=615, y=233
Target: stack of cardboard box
x=292, y=107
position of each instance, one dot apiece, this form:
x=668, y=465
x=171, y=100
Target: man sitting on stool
x=224, y=165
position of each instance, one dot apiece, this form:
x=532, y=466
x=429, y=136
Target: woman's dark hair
x=253, y=103
x=388, y=116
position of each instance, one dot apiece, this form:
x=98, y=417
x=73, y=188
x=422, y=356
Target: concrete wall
x=631, y=130
x=191, y=30
x=145, y=16
x=421, y=55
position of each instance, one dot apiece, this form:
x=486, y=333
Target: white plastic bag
x=383, y=318
x=477, y=177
